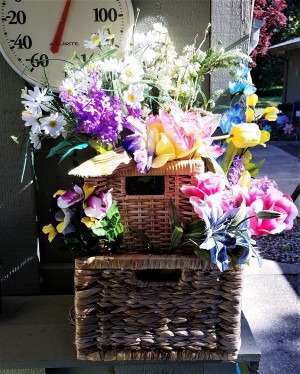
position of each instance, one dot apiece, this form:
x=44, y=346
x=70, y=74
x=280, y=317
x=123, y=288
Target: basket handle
x=159, y=277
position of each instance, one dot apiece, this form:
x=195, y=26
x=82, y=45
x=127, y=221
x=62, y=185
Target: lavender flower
x=264, y=184
x=236, y=170
x=97, y=113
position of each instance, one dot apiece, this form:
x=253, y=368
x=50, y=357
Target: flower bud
x=249, y=115
x=252, y=100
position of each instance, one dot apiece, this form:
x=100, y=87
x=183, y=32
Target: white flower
x=31, y=116
x=53, y=125
x=110, y=65
x=37, y=99
x=134, y=95
x=132, y=72
x=159, y=28
x=99, y=39
x=35, y=140
x=69, y=86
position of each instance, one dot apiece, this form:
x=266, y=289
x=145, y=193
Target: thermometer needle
x=60, y=28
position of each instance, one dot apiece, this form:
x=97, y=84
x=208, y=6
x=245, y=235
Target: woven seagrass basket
x=143, y=211
x=150, y=307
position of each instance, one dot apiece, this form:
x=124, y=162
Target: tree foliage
x=268, y=70
x=271, y=11
x=291, y=29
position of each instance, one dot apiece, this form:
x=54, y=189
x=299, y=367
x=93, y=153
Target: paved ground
x=271, y=294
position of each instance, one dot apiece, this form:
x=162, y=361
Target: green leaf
x=216, y=168
x=99, y=231
x=144, y=237
x=73, y=149
x=99, y=56
x=240, y=216
x=112, y=210
x=60, y=148
x=251, y=169
x=173, y=216
x=176, y=237
x=196, y=226
x=267, y=214
x=202, y=254
x=228, y=156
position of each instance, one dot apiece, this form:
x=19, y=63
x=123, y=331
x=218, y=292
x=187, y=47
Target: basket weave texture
x=150, y=213
x=121, y=316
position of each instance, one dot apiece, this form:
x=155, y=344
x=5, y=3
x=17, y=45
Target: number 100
x=104, y=15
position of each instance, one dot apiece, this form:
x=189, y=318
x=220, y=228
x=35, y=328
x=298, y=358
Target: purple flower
x=98, y=206
x=70, y=197
x=236, y=170
x=96, y=112
x=263, y=184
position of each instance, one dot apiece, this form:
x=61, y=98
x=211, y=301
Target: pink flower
x=70, y=197
x=98, y=206
x=204, y=185
x=275, y=201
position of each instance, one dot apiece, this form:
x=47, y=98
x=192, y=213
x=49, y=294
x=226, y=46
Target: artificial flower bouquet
x=150, y=102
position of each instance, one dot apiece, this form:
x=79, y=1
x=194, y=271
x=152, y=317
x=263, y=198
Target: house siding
x=292, y=90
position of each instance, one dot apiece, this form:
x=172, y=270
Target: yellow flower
x=245, y=135
x=252, y=100
x=164, y=149
x=264, y=137
x=270, y=113
x=250, y=115
x=245, y=178
x=89, y=221
x=51, y=231
x=59, y=192
x=87, y=190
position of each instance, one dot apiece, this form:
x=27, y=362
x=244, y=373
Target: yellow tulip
x=264, y=137
x=245, y=135
x=252, y=100
x=165, y=146
x=250, y=115
x=165, y=150
x=270, y=113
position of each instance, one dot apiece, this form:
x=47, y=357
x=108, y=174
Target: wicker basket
x=150, y=213
x=149, y=307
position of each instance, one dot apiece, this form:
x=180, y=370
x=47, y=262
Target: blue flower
x=233, y=116
x=240, y=85
x=267, y=128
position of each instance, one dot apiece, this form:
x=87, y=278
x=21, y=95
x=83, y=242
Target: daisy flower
x=134, y=96
x=53, y=125
x=99, y=39
x=37, y=99
x=132, y=71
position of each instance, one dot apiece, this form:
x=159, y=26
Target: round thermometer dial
x=37, y=37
